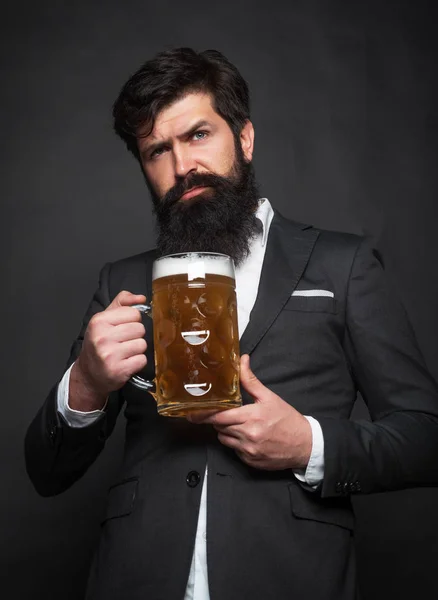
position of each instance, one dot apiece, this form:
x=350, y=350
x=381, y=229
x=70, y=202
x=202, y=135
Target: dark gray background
x=344, y=106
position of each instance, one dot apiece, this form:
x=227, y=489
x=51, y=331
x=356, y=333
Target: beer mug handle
x=139, y=382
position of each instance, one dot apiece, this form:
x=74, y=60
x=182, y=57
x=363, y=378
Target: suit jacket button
x=193, y=478
x=52, y=433
x=338, y=487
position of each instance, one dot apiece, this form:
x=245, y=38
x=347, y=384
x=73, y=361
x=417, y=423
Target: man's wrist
x=82, y=397
x=305, y=446
x=313, y=473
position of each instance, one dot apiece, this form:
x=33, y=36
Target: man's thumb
x=249, y=381
x=125, y=298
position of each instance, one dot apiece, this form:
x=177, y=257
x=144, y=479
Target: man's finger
x=131, y=348
x=119, y=316
x=229, y=441
x=231, y=416
x=200, y=416
x=249, y=381
x=127, y=331
x=233, y=431
x=125, y=298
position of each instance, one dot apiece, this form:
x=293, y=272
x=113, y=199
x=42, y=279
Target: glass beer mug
x=196, y=341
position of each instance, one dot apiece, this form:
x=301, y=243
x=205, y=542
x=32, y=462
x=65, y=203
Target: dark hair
x=168, y=77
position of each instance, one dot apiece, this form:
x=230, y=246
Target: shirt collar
x=264, y=213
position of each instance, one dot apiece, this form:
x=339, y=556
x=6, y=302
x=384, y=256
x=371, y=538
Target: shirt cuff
x=75, y=418
x=314, y=473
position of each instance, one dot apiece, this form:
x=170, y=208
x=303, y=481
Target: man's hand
x=269, y=434
x=112, y=351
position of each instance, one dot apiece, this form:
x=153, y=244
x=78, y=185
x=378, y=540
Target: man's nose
x=184, y=163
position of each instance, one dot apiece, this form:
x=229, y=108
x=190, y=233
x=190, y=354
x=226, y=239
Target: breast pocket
x=312, y=304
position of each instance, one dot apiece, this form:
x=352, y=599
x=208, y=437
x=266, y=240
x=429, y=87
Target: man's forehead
x=179, y=115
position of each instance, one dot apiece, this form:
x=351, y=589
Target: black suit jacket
x=268, y=536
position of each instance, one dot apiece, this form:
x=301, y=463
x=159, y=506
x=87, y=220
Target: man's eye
x=157, y=152
x=200, y=135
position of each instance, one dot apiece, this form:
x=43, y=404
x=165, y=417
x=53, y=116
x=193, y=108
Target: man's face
x=201, y=180
x=190, y=138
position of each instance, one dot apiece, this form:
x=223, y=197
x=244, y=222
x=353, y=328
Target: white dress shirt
x=247, y=283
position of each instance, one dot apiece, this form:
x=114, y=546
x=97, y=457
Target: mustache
x=195, y=180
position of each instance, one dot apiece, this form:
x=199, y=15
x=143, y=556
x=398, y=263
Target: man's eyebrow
x=186, y=134
x=194, y=128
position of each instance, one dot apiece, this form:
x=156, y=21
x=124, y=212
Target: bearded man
x=252, y=502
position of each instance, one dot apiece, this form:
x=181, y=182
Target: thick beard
x=221, y=220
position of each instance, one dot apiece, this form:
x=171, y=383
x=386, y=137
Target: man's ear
x=247, y=140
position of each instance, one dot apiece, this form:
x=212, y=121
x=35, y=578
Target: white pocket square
x=325, y=293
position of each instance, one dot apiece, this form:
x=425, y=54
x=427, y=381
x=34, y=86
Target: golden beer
x=196, y=339
x=195, y=335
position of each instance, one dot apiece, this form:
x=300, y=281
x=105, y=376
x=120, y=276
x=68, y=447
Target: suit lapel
x=288, y=251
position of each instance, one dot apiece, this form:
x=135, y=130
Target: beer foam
x=195, y=265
